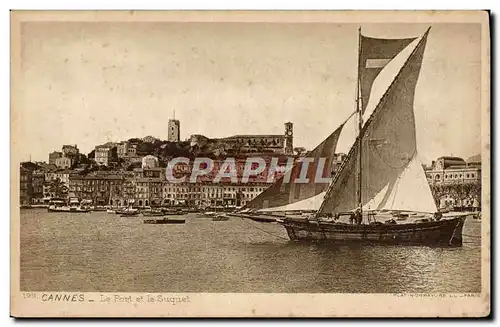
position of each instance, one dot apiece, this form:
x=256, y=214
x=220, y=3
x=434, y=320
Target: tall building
x=289, y=138
x=174, y=130
x=70, y=150
x=104, y=154
x=38, y=179
x=122, y=149
x=26, y=188
x=53, y=156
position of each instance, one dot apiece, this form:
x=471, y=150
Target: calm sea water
x=97, y=251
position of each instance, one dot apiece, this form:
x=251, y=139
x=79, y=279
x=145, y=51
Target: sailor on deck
x=358, y=217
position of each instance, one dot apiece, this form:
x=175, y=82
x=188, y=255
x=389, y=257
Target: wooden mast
x=360, y=124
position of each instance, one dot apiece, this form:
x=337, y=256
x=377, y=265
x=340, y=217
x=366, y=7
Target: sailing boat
x=381, y=177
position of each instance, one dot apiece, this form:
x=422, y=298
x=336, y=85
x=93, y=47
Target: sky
x=88, y=83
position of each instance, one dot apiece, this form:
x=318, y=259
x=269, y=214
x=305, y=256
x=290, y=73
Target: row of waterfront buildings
x=127, y=172
x=108, y=183
x=455, y=182
x=148, y=185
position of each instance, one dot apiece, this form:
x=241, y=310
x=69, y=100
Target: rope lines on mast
x=263, y=230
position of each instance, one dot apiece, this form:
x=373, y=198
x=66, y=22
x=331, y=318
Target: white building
x=150, y=162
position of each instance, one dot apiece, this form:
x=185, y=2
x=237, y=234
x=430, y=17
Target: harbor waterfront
x=102, y=252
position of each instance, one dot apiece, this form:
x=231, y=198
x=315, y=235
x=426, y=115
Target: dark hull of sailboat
x=164, y=221
x=446, y=232
x=263, y=219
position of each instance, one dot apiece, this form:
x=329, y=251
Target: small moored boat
x=128, y=212
x=153, y=213
x=220, y=217
x=67, y=209
x=165, y=221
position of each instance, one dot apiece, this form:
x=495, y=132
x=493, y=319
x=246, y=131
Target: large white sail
x=309, y=204
x=385, y=148
x=419, y=199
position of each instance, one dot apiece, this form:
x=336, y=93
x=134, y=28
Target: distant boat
x=153, y=213
x=128, y=212
x=67, y=209
x=381, y=172
x=172, y=211
x=165, y=220
x=60, y=205
x=206, y=214
x=220, y=217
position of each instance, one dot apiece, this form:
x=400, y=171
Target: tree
x=459, y=191
x=134, y=140
x=58, y=188
x=84, y=160
x=91, y=155
x=476, y=192
x=134, y=165
x=438, y=191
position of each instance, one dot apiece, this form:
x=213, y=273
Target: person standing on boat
x=358, y=217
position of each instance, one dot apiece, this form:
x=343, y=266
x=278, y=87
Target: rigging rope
x=262, y=230
x=473, y=236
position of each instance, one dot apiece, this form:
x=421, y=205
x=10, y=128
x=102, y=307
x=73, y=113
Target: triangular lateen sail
x=374, y=55
x=309, y=204
x=285, y=190
x=411, y=191
x=388, y=143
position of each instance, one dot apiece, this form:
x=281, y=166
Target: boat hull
x=164, y=221
x=131, y=214
x=220, y=218
x=446, y=232
x=153, y=214
x=68, y=210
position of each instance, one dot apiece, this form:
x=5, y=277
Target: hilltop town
x=132, y=172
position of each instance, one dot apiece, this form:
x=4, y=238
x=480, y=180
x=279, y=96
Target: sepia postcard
x=250, y=164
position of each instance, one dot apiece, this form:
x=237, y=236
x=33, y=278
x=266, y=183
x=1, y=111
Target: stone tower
x=174, y=130
x=289, y=138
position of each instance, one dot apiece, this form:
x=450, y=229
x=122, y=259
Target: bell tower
x=288, y=138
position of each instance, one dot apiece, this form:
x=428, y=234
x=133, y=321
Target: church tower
x=174, y=130
x=289, y=138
